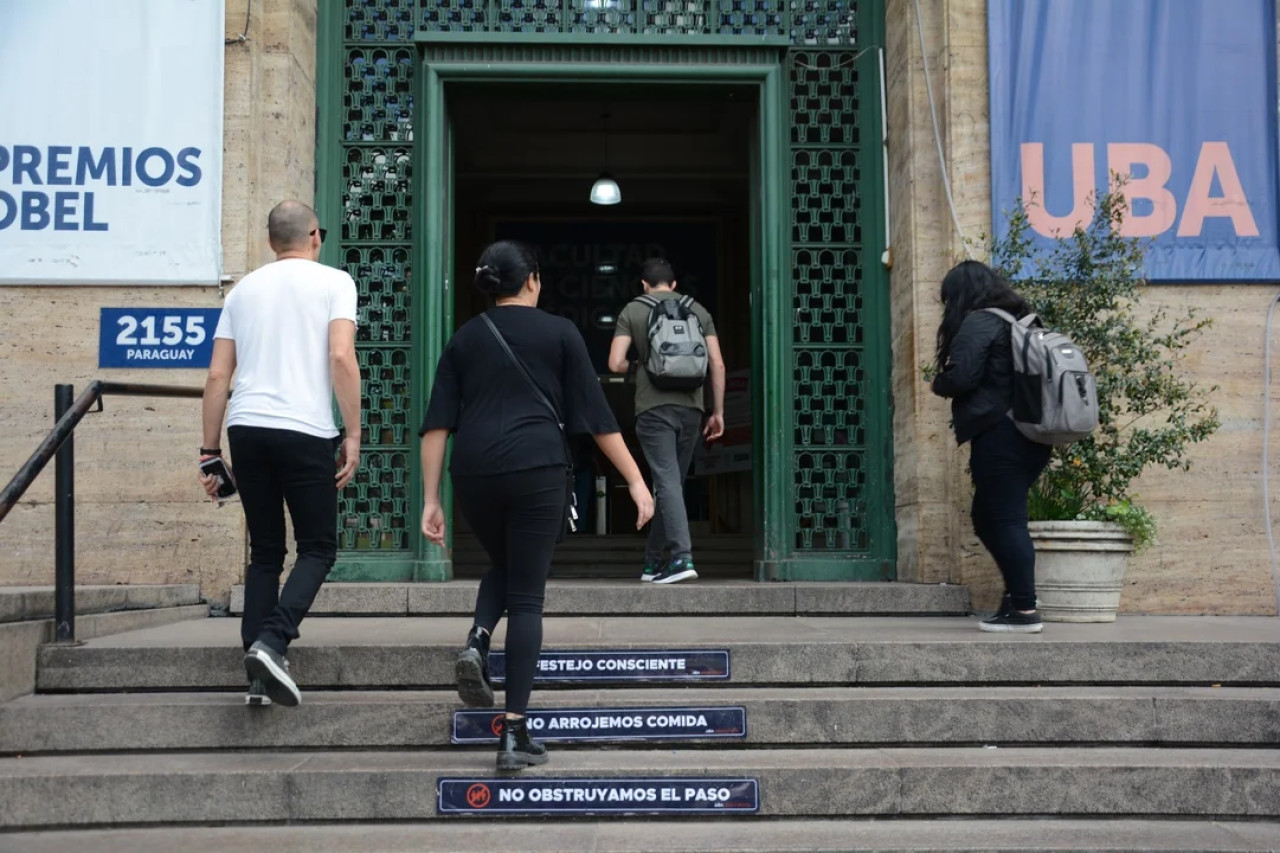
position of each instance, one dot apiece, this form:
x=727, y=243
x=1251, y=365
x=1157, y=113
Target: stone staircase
x=823, y=732
x=27, y=620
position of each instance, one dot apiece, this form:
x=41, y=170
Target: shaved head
x=289, y=226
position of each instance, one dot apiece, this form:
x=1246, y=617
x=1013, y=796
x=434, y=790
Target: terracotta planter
x=1080, y=568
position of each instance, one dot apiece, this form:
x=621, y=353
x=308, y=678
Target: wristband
x=210, y=451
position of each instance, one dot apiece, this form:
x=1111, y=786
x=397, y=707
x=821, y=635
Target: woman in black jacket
x=975, y=369
x=511, y=469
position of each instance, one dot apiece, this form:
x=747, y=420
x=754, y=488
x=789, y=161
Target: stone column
x=935, y=539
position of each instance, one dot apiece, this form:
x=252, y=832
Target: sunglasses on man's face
x=321, y=232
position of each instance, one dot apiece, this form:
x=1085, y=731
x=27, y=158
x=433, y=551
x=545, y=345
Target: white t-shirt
x=279, y=316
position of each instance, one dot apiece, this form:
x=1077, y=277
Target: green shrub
x=1089, y=286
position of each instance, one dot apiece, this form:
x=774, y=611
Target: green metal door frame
x=464, y=57
x=823, y=479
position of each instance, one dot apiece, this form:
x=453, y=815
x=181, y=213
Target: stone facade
x=139, y=513
x=1212, y=556
x=140, y=517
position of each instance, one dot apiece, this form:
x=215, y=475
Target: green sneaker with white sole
x=676, y=571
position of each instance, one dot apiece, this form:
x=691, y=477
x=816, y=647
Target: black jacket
x=979, y=375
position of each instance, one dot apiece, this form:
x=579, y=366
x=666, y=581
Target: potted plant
x=1085, y=520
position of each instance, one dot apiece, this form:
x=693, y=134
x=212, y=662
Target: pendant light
x=606, y=190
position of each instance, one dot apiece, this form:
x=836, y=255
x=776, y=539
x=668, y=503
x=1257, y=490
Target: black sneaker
x=676, y=571
x=257, y=696
x=1013, y=622
x=268, y=665
x=650, y=572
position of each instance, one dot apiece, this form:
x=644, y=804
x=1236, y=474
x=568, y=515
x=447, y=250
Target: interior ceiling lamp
x=606, y=190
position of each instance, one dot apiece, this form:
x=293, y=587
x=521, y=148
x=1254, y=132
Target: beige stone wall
x=140, y=517
x=1213, y=555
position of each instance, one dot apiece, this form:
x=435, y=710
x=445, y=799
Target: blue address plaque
x=156, y=337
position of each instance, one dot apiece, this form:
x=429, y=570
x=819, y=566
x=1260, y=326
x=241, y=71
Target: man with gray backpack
x=678, y=354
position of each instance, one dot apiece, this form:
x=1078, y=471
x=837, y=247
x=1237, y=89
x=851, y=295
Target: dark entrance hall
x=524, y=161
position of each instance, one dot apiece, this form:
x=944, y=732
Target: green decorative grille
x=830, y=382
x=375, y=240
x=528, y=16
x=381, y=20
x=455, y=16
x=836, y=428
x=823, y=22
x=378, y=101
x=609, y=20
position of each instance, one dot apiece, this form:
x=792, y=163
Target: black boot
x=516, y=750
x=472, y=671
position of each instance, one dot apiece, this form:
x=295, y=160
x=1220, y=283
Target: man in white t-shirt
x=287, y=332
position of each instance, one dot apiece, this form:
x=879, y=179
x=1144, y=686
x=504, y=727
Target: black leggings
x=1005, y=465
x=517, y=517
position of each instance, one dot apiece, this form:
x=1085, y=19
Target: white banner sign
x=111, y=141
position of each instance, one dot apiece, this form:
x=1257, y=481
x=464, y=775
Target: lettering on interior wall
x=40, y=208
x=1215, y=191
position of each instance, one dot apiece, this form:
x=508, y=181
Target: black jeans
x=517, y=518
x=668, y=436
x=1005, y=464
x=275, y=467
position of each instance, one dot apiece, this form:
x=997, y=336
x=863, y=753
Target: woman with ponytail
x=511, y=415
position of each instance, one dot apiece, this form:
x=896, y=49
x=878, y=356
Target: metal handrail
x=59, y=443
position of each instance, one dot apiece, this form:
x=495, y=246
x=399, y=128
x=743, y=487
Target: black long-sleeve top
x=498, y=423
x=979, y=375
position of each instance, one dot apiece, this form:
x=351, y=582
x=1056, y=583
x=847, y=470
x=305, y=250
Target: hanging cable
x=1266, y=453
x=937, y=135
x=244, y=36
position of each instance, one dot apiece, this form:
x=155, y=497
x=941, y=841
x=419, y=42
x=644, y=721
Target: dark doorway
x=524, y=161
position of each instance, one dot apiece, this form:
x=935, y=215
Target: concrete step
x=633, y=598
x=62, y=791
x=380, y=652
x=23, y=603
x=1005, y=716
x=710, y=836
x=20, y=641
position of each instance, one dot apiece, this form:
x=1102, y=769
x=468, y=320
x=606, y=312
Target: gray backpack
x=677, y=359
x=1055, y=397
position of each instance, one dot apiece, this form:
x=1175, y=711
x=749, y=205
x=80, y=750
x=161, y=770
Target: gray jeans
x=668, y=436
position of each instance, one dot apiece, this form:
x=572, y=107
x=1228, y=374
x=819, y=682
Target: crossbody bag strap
x=571, y=499
x=524, y=371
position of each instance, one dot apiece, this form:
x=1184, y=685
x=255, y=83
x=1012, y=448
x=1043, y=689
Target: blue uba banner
x=156, y=337
x=630, y=665
x=579, y=725
x=1179, y=96
x=661, y=795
